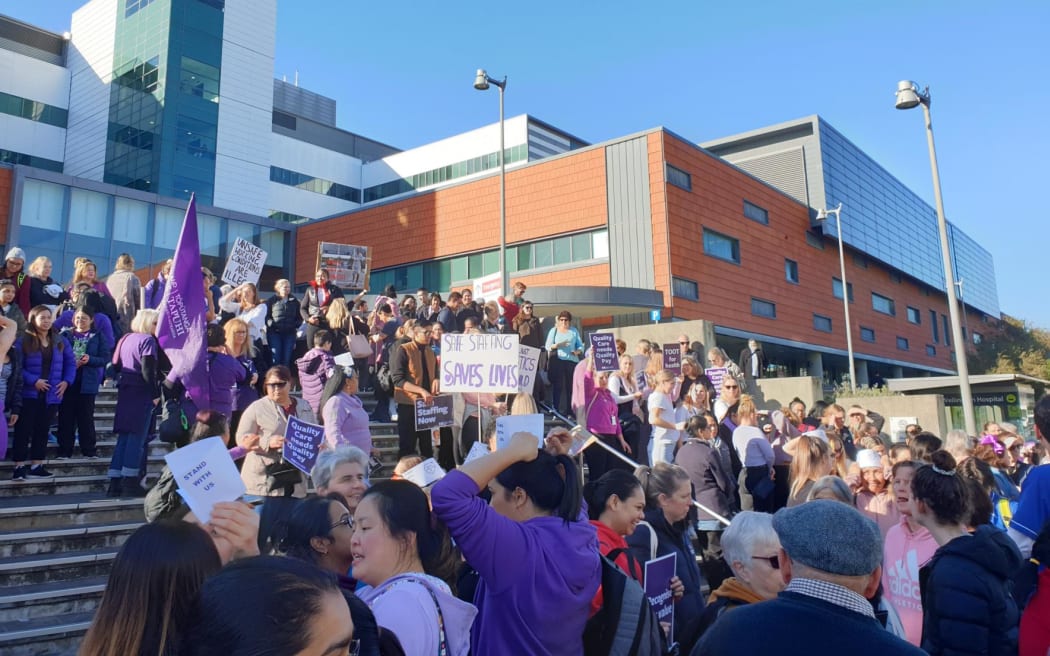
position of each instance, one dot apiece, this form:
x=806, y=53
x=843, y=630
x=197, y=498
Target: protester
x=831, y=488
x=416, y=377
x=342, y=470
x=342, y=413
x=616, y=504
x=76, y=414
x=11, y=380
x=714, y=487
x=225, y=373
x=536, y=556
x=8, y=307
x=239, y=347
x=840, y=462
x=728, y=397
x=511, y=303
x=315, y=368
x=668, y=503
x=666, y=432
x=966, y=601
x=319, y=531
x=153, y=291
x=1033, y=508
x=318, y=297
x=623, y=384
x=14, y=270
x=126, y=290
x=282, y=322
x=752, y=552
x=383, y=336
x=810, y=461
x=85, y=298
x=756, y=455
x=830, y=557
x=923, y=445
x=138, y=393
x=564, y=350
x=603, y=422
x=265, y=472
x=873, y=497
x=43, y=290
x=270, y=605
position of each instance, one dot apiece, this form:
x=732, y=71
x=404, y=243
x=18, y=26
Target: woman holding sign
x=565, y=348
x=265, y=472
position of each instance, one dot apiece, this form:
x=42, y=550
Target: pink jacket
x=906, y=551
x=602, y=413
x=881, y=508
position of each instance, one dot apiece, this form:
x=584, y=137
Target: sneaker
x=62, y=457
x=93, y=456
x=20, y=473
x=40, y=472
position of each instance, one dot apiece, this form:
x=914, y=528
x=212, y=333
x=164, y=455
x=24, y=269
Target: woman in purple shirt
x=343, y=415
x=138, y=392
x=537, y=557
x=756, y=454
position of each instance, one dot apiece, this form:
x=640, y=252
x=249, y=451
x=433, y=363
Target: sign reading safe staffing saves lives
x=479, y=363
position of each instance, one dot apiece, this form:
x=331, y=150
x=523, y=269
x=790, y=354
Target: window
x=721, y=246
x=867, y=334
x=683, y=288
x=978, y=338
x=860, y=261
x=679, y=178
x=931, y=350
x=895, y=276
x=760, y=308
x=791, y=270
x=756, y=213
x=914, y=316
x=882, y=304
x=947, y=331
x=33, y=110
x=814, y=240
x=933, y=327
x=283, y=120
x=902, y=343
x=316, y=185
x=836, y=289
x=822, y=323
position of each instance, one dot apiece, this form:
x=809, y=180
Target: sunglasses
x=277, y=384
x=345, y=520
x=774, y=561
x=730, y=387
x=683, y=343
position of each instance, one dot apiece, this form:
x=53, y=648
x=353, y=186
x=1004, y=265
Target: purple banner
x=673, y=358
x=302, y=443
x=716, y=375
x=182, y=324
x=658, y=575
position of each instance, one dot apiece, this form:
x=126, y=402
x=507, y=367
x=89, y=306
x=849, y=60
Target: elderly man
x=830, y=556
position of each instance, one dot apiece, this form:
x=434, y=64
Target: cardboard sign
x=716, y=375
x=489, y=287
x=206, y=475
x=245, y=263
x=658, y=575
x=348, y=266
x=478, y=450
x=302, y=442
x=510, y=424
x=603, y=351
x=479, y=363
x=528, y=365
x=425, y=473
x=897, y=426
x=673, y=358
x=435, y=415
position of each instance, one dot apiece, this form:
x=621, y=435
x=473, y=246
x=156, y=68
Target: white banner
x=479, y=363
x=528, y=365
x=488, y=287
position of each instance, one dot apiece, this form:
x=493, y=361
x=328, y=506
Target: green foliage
x=1013, y=349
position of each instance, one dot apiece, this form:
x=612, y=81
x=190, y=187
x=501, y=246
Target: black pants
x=599, y=461
x=381, y=413
x=560, y=372
x=409, y=440
x=30, y=441
x=755, y=479
x=468, y=436
x=76, y=414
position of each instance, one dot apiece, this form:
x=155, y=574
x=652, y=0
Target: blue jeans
x=281, y=347
x=127, y=455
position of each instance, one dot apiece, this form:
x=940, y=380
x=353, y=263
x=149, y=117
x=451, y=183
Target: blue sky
x=402, y=74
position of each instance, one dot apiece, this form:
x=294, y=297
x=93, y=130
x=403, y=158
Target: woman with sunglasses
x=564, y=348
x=265, y=471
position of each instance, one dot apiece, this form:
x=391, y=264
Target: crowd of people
x=809, y=523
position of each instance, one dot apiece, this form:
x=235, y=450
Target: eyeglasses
x=277, y=384
x=345, y=520
x=774, y=561
x=683, y=343
x=730, y=387
x=527, y=308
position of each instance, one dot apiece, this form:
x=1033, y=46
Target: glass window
x=475, y=269
x=933, y=327
x=895, y=276
x=88, y=211
x=543, y=254
x=721, y=246
x=683, y=288
x=490, y=262
x=860, y=261
x=867, y=334
x=761, y=308
x=581, y=247
x=902, y=343
x=563, y=250
x=977, y=338
x=524, y=257
x=245, y=231
x=512, y=259
x=914, y=316
x=836, y=289
x=130, y=221
x=814, y=240
x=273, y=242
x=42, y=205
x=931, y=350
x=883, y=304
x=460, y=270
x=791, y=270
x=822, y=323
x=947, y=330
x=756, y=213
x=209, y=231
x=167, y=226
x=600, y=244
x=679, y=178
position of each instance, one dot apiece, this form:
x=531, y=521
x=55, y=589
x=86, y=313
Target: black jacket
x=713, y=485
x=310, y=306
x=966, y=600
x=282, y=315
x=13, y=398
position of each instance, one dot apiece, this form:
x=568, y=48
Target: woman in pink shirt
x=874, y=498
x=908, y=547
x=603, y=420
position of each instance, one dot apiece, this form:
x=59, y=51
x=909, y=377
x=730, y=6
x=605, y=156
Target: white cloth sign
x=479, y=363
x=206, y=475
x=510, y=424
x=528, y=365
x=245, y=263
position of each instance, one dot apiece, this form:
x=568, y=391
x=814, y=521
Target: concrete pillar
x=862, y=373
x=816, y=365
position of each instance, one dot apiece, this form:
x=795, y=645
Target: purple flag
x=182, y=326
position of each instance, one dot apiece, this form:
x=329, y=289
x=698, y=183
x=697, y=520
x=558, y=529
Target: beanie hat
x=15, y=253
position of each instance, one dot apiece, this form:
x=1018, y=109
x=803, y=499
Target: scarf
x=736, y=592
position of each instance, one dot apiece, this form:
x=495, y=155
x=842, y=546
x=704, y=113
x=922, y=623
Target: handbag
x=358, y=344
x=282, y=475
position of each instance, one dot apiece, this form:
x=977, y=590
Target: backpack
x=383, y=375
x=625, y=624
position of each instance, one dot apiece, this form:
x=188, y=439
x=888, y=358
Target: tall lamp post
x=481, y=83
x=908, y=96
x=822, y=215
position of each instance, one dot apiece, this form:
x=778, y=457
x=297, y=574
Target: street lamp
x=908, y=96
x=822, y=215
x=481, y=83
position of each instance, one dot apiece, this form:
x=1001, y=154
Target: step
x=105, y=445
x=59, y=485
x=44, y=635
x=87, y=537
x=44, y=568
x=65, y=510
x=80, y=466
x=53, y=599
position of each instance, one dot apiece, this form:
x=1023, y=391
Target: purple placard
x=716, y=375
x=436, y=414
x=658, y=575
x=673, y=358
x=603, y=351
x=302, y=442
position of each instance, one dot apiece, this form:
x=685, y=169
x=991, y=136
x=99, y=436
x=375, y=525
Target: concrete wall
x=776, y=393
x=927, y=408
x=666, y=333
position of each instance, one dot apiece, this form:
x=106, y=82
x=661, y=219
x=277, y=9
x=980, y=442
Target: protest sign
x=374, y=465
x=510, y=424
x=897, y=428
x=603, y=351
x=245, y=263
x=658, y=575
x=435, y=415
x=528, y=365
x=348, y=266
x=673, y=358
x=206, y=475
x=489, y=287
x=479, y=449
x=302, y=442
x=716, y=375
x=425, y=473
x=479, y=363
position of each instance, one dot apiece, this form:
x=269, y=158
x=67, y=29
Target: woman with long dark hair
x=77, y=411
x=342, y=413
x=537, y=557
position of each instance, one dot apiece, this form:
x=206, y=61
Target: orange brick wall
x=6, y=184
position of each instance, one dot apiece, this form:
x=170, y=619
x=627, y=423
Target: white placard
x=206, y=475
x=245, y=263
x=510, y=424
x=896, y=425
x=528, y=364
x=489, y=287
x=478, y=450
x=425, y=473
x=479, y=363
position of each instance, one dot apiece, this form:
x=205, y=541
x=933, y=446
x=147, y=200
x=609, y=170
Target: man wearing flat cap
x=831, y=559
